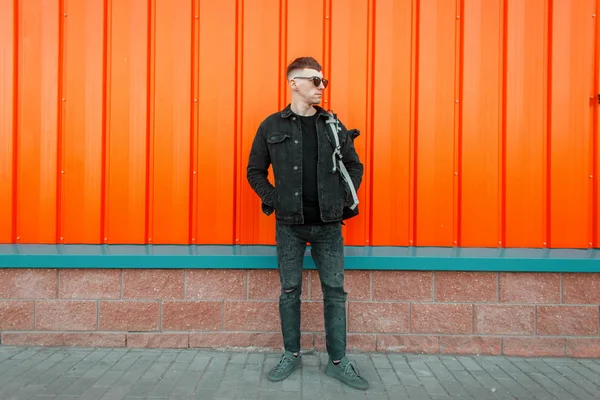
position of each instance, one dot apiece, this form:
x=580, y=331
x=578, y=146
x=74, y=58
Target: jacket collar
x=287, y=112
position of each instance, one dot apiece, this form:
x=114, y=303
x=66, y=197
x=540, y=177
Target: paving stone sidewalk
x=112, y=374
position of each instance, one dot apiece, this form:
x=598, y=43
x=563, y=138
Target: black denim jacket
x=278, y=141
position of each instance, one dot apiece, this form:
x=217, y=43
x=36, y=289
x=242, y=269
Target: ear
x=293, y=85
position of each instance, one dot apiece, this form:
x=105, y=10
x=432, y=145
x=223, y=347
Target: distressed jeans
x=327, y=247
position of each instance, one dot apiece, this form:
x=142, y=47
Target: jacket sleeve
x=257, y=169
x=351, y=159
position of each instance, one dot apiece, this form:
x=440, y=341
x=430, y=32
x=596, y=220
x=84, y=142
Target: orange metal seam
x=282, y=53
x=546, y=147
x=414, y=127
x=595, y=239
x=503, y=36
x=458, y=110
x=61, y=117
x=324, y=61
x=370, y=118
x=15, y=133
x=328, y=10
x=150, y=123
x=104, y=180
x=238, y=110
x=592, y=189
x=194, y=112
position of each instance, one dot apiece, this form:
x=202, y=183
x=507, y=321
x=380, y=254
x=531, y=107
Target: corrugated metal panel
x=131, y=121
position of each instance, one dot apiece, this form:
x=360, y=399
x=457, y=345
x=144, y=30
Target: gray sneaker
x=286, y=365
x=347, y=372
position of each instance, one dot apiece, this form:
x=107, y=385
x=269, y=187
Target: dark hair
x=302, y=63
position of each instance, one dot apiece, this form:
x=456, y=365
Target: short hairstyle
x=303, y=63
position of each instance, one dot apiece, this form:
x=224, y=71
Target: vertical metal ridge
x=324, y=63
x=15, y=117
x=595, y=240
x=104, y=184
x=503, y=112
x=194, y=109
x=414, y=123
x=458, y=114
x=371, y=22
x=150, y=123
x=547, y=141
x=282, y=53
x=327, y=8
x=238, y=110
x=60, y=120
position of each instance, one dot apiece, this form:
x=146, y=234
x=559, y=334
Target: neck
x=302, y=109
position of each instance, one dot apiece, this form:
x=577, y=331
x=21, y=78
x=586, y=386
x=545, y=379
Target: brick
x=218, y=340
x=354, y=342
x=251, y=316
x=153, y=284
x=209, y=284
x=466, y=286
x=583, y=347
x=442, y=318
x=525, y=287
x=158, y=340
x=274, y=341
x=66, y=315
x=359, y=342
x=266, y=285
x=408, y=344
x=378, y=317
x=307, y=340
x=507, y=320
x=16, y=315
x=82, y=339
x=90, y=284
x=129, y=316
x=581, y=288
x=29, y=283
x=267, y=340
x=356, y=283
x=568, y=320
x=480, y=345
x=534, y=347
x=403, y=285
x=192, y=315
x=312, y=317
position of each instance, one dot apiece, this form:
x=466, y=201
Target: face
x=303, y=86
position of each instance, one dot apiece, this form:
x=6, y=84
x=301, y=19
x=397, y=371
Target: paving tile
x=178, y=374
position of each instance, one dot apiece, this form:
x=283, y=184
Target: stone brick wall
x=523, y=314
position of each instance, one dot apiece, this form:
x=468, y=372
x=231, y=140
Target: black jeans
x=327, y=247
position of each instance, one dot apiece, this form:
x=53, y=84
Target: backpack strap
x=336, y=158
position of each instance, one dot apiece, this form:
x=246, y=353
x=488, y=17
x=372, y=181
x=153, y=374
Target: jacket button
x=295, y=167
x=293, y=118
x=296, y=194
x=295, y=141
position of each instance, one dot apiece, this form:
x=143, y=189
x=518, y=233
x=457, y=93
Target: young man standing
x=313, y=193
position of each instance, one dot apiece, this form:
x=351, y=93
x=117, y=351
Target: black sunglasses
x=316, y=80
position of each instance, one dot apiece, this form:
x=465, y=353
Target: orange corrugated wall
x=130, y=121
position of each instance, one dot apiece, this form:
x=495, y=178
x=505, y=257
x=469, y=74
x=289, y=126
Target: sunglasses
x=316, y=80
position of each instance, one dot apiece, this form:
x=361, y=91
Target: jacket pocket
x=278, y=137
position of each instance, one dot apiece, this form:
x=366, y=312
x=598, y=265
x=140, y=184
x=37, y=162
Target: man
x=310, y=199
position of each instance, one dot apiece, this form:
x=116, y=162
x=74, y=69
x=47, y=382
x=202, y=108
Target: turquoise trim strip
x=264, y=257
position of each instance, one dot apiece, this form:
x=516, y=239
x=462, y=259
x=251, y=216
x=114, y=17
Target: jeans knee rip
x=291, y=293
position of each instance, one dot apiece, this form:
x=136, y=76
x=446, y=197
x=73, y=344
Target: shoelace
x=351, y=370
x=282, y=364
